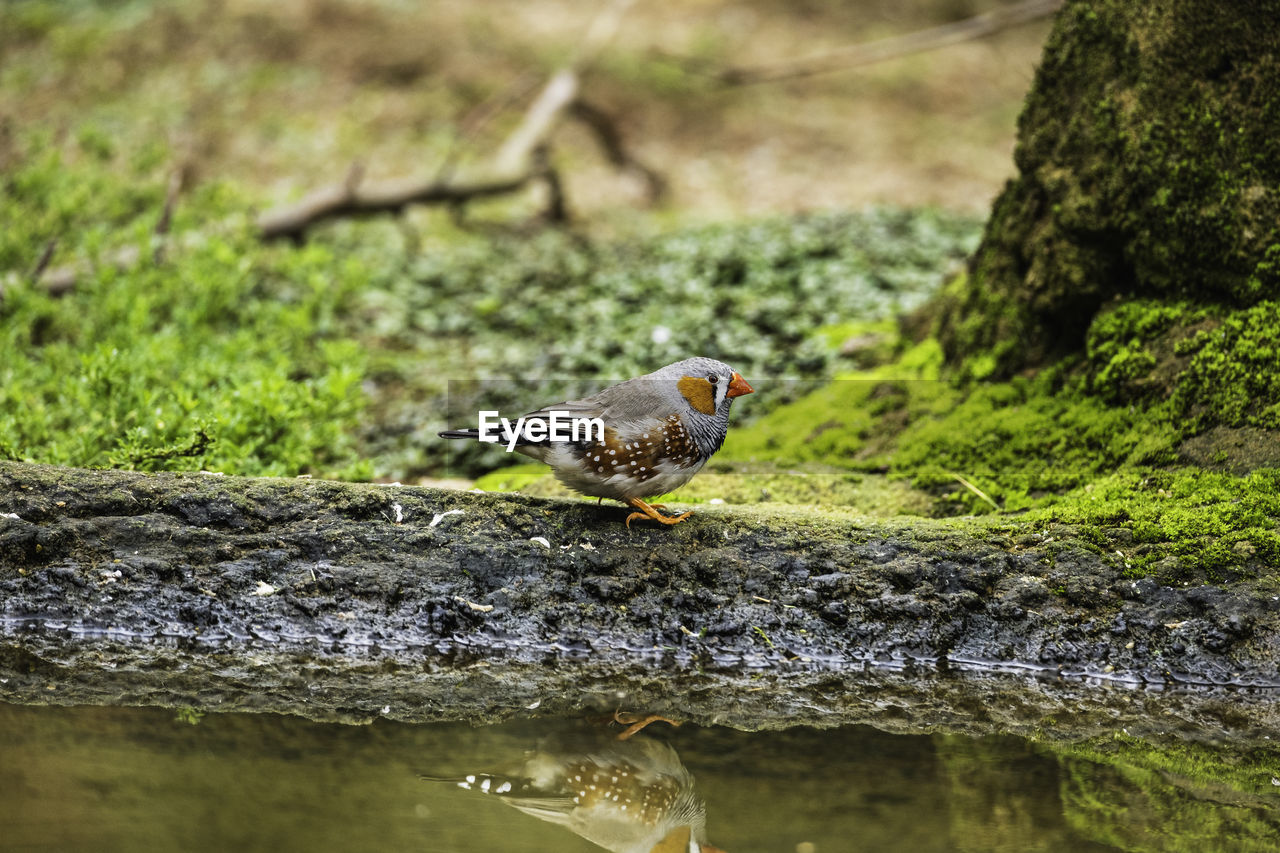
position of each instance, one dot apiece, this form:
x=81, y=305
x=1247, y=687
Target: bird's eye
x=712, y=378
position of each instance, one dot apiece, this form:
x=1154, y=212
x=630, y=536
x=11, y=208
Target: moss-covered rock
x=1214, y=366
x=1149, y=164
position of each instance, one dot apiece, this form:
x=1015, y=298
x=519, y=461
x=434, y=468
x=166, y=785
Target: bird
x=625, y=794
x=658, y=430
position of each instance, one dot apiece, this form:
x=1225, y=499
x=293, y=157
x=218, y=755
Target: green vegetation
x=335, y=358
x=534, y=313
x=228, y=359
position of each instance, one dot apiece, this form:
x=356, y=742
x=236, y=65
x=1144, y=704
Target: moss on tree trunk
x=1149, y=166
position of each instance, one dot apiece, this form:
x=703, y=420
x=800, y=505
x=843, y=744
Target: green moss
x=1080, y=445
x=1148, y=167
x=515, y=478
x=1212, y=365
x=1015, y=441
x=226, y=360
x=827, y=490
x=1185, y=525
x=828, y=426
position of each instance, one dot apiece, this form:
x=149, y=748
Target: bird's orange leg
x=647, y=511
x=634, y=722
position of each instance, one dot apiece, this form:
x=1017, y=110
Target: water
x=141, y=779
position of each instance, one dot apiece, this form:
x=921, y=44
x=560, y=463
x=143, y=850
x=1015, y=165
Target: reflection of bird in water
x=628, y=795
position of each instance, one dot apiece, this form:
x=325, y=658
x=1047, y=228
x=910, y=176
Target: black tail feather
x=461, y=433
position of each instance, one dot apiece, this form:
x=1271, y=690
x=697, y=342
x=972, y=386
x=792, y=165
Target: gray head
x=707, y=388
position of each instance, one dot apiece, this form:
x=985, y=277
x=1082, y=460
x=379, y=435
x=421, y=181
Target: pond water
x=141, y=779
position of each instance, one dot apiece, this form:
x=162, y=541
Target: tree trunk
x=1148, y=165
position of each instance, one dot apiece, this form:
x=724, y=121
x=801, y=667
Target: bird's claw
x=650, y=511
x=635, y=722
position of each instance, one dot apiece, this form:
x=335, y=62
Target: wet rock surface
x=340, y=601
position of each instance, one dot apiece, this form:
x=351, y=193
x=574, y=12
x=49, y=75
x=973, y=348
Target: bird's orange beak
x=738, y=386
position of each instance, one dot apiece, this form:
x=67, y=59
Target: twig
x=43, y=261
x=971, y=487
x=376, y=197
x=557, y=208
x=605, y=130
x=515, y=165
x=868, y=53
x=177, y=180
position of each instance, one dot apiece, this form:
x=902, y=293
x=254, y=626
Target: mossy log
x=1148, y=166
x=341, y=601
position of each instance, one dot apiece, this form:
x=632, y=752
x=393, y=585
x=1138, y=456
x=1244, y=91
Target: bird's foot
x=651, y=511
x=635, y=722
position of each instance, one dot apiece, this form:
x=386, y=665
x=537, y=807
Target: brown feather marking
x=639, y=455
x=699, y=393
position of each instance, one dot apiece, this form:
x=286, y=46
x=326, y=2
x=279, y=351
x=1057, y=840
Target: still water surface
x=142, y=779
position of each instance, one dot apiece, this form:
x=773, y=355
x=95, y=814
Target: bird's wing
x=630, y=401
x=633, y=400
x=587, y=407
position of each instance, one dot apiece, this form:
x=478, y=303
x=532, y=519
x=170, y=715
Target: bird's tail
x=486, y=783
x=461, y=433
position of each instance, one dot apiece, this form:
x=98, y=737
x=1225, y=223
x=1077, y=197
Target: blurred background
x=279, y=95
x=768, y=224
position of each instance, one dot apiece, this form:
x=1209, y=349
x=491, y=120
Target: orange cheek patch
x=699, y=393
x=676, y=841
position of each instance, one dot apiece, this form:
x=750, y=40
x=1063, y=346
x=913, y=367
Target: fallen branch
x=517, y=163
x=393, y=196
x=868, y=53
